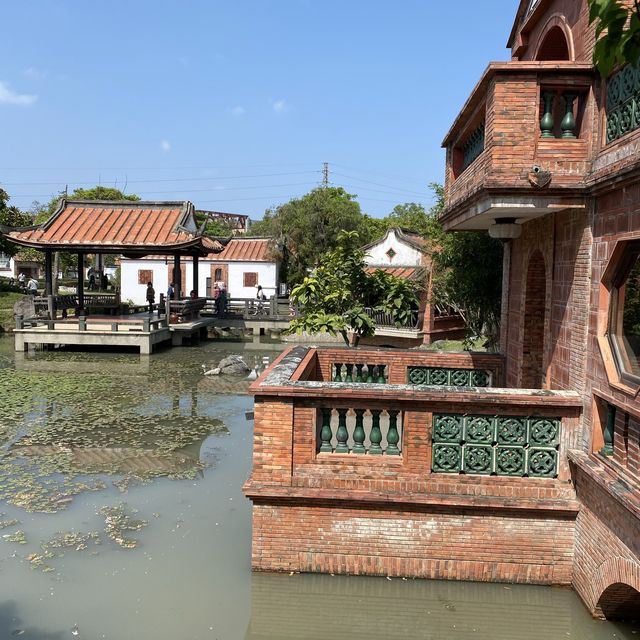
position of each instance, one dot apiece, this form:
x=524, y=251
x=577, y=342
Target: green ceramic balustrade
x=496, y=445
x=365, y=372
x=473, y=147
x=360, y=431
x=548, y=122
x=623, y=102
x=449, y=377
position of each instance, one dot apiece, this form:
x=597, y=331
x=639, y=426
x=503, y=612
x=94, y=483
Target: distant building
x=407, y=255
x=241, y=266
x=237, y=222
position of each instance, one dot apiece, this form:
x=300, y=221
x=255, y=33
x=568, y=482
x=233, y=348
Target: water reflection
x=320, y=607
x=105, y=451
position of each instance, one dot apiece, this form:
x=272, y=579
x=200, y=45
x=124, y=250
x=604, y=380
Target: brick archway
x=533, y=373
x=555, y=41
x=615, y=590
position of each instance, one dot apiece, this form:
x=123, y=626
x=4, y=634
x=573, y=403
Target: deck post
x=177, y=276
x=195, y=274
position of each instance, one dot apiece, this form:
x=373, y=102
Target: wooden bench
x=188, y=309
x=63, y=302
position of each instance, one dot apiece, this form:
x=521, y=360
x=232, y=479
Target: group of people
x=29, y=286
x=171, y=295
x=97, y=277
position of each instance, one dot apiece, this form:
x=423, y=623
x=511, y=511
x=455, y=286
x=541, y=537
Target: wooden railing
x=251, y=308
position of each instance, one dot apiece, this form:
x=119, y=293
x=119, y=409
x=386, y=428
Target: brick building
x=522, y=466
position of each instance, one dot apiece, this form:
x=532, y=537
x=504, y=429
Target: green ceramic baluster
x=375, y=436
x=359, y=372
x=325, y=432
x=349, y=376
x=392, y=435
x=381, y=378
x=342, y=435
x=369, y=373
x=358, y=433
x=338, y=375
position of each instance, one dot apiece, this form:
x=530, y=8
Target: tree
x=617, y=33
x=63, y=260
x=336, y=297
x=306, y=228
x=11, y=216
x=102, y=193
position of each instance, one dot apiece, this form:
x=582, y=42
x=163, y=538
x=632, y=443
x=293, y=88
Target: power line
x=156, y=168
x=378, y=184
x=262, y=186
x=383, y=175
x=152, y=180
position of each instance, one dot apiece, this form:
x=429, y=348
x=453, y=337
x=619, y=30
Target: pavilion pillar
x=48, y=272
x=177, y=276
x=80, y=280
x=195, y=274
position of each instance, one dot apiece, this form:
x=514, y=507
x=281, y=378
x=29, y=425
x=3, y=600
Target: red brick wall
x=475, y=545
x=573, y=17
x=607, y=548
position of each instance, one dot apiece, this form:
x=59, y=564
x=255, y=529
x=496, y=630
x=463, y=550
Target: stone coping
x=278, y=380
x=623, y=489
x=268, y=492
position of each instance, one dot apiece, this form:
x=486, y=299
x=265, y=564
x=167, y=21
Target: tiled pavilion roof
x=130, y=228
x=245, y=250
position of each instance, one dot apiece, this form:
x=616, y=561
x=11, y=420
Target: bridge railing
x=252, y=308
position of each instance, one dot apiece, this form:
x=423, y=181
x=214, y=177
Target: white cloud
x=7, y=96
x=238, y=110
x=165, y=145
x=279, y=106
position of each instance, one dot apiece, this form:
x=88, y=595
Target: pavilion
x=128, y=228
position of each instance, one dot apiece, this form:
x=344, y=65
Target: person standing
x=32, y=286
x=171, y=292
x=21, y=280
x=151, y=296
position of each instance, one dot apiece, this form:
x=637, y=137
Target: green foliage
x=336, y=296
x=617, y=33
x=305, y=228
x=102, y=193
x=11, y=216
x=468, y=278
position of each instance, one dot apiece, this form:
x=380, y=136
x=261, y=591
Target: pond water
x=122, y=517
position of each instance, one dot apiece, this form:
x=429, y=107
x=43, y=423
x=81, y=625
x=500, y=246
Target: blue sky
x=235, y=105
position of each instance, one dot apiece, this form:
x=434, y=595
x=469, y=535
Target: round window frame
x=620, y=269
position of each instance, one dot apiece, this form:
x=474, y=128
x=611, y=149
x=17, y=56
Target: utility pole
x=325, y=174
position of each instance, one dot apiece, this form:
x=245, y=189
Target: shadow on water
x=12, y=626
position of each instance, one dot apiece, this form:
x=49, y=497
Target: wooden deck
x=142, y=331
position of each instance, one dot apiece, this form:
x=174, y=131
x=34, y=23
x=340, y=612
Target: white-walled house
x=408, y=255
x=7, y=266
x=241, y=266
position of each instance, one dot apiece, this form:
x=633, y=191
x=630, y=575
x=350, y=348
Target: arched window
x=554, y=46
x=218, y=275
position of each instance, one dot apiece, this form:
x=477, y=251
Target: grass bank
x=7, y=300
